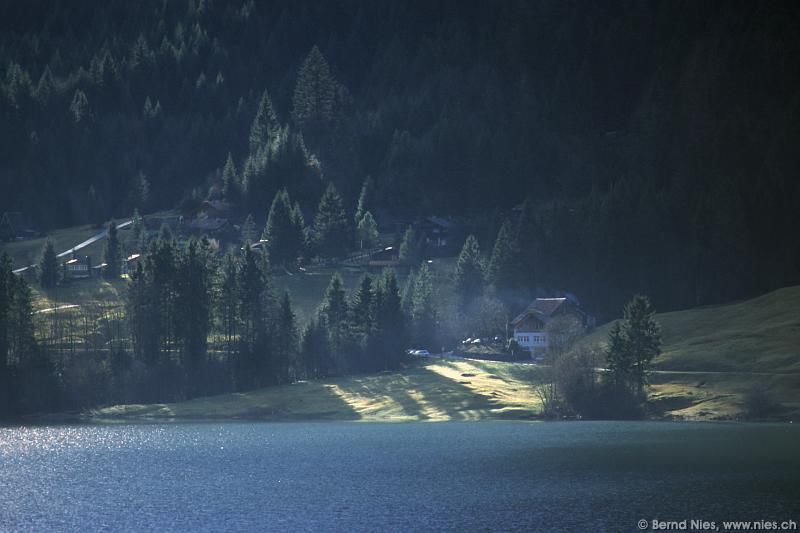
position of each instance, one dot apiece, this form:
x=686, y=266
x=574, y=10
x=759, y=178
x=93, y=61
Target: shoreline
x=437, y=390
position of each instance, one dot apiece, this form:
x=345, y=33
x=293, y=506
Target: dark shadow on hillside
x=324, y=404
x=315, y=402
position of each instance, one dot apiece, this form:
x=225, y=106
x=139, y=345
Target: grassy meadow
x=29, y=252
x=757, y=335
x=713, y=356
x=435, y=390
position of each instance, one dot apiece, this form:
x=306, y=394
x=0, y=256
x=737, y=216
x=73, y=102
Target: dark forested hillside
x=657, y=140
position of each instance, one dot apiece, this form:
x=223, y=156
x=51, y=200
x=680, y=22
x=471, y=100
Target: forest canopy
x=656, y=139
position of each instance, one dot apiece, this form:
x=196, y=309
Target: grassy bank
x=434, y=390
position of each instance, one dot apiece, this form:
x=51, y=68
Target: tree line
x=193, y=324
x=196, y=323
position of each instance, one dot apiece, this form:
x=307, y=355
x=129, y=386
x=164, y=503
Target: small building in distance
x=529, y=326
x=78, y=267
x=211, y=215
x=129, y=264
x=436, y=231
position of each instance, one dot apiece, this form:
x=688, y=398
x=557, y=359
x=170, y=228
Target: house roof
x=541, y=308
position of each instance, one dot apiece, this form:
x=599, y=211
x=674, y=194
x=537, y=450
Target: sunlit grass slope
x=24, y=253
x=83, y=293
x=432, y=390
x=757, y=335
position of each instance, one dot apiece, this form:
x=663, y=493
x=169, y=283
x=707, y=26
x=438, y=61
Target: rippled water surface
x=407, y=477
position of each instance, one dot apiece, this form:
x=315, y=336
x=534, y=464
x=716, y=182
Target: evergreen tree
x=314, y=97
x=364, y=200
x=285, y=359
x=140, y=312
x=299, y=229
x=619, y=356
x=315, y=350
x=141, y=190
x=45, y=88
x=79, y=108
x=34, y=379
x=31, y=379
x=265, y=126
x=22, y=346
x=231, y=188
x=407, y=295
x=334, y=315
x=248, y=231
x=253, y=314
x=227, y=302
x=423, y=309
x=389, y=333
x=643, y=335
x=113, y=253
x=193, y=312
x=362, y=308
x=280, y=232
x=161, y=265
x=331, y=230
x=367, y=231
x=633, y=343
x=503, y=264
x=411, y=248
x=469, y=277
x=48, y=266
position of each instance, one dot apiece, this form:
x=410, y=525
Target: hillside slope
x=757, y=335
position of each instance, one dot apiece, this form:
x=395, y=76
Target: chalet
x=78, y=267
x=529, y=326
x=211, y=215
x=436, y=231
x=212, y=209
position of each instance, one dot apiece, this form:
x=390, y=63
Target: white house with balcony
x=530, y=325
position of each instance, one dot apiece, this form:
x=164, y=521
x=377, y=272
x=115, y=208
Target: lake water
x=581, y=476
